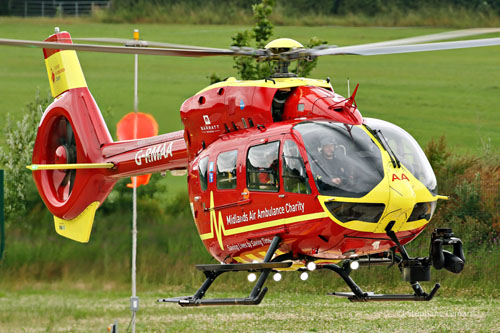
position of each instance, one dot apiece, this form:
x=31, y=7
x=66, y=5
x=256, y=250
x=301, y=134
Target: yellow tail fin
x=63, y=67
x=79, y=228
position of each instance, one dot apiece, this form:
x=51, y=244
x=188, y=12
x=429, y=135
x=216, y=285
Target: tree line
x=325, y=7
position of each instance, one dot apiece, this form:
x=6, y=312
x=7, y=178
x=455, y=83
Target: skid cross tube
x=213, y=271
x=344, y=274
x=265, y=273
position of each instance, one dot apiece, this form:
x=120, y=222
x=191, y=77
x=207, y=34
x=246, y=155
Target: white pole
x=136, y=98
x=134, y=307
x=134, y=299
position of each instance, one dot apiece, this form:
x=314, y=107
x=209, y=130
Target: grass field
x=51, y=309
x=454, y=93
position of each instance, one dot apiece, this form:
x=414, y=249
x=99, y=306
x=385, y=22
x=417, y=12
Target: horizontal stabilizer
x=70, y=166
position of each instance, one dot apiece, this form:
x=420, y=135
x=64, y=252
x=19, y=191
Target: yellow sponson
x=79, y=228
x=64, y=72
x=35, y=167
x=282, y=43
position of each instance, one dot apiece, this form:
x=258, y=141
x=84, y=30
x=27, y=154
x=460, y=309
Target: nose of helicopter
x=393, y=199
x=401, y=200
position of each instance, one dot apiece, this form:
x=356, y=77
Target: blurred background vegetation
x=449, y=13
x=456, y=13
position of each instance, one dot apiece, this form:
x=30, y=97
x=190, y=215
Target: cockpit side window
x=202, y=171
x=262, y=167
x=226, y=170
x=294, y=171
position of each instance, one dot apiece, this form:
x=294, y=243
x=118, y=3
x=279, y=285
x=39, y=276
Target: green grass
x=59, y=308
x=453, y=93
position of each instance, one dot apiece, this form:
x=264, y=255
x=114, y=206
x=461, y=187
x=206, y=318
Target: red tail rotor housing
x=71, y=131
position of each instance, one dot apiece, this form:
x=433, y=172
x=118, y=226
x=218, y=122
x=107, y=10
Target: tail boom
x=142, y=156
x=73, y=133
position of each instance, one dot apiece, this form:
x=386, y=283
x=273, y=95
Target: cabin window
x=226, y=170
x=262, y=167
x=202, y=170
x=294, y=171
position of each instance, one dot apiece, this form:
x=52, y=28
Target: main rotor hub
x=281, y=45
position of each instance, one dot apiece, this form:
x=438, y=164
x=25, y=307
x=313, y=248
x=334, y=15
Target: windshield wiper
x=398, y=164
x=394, y=160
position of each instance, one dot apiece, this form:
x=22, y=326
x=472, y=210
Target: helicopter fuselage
x=252, y=174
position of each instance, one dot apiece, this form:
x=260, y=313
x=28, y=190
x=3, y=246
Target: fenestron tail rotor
x=62, y=150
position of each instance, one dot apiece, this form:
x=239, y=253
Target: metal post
x=76, y=8
x=43, y=8
x=25, y=9
x=134, y=300
x=134, y=305
x=2, y=216
x=136, y=75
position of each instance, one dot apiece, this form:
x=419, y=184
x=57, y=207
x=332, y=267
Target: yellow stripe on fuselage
x=217, y=228
x=64, y=72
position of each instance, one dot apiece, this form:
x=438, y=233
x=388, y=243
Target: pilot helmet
x=327, y=141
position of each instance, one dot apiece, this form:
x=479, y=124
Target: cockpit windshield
x=407, y=151
x=344, y=160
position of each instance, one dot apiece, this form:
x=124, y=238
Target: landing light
x=354, y=265
x=277, y=277
x=311, y=266
x=304, y=276
x=252, y=277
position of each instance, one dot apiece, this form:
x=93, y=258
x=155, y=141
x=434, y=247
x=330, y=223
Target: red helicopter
x=283, y=172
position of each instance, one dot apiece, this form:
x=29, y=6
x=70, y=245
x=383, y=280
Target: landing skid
x=213, y=271
x=358, y=295
x=413, y=270
x=371, y=297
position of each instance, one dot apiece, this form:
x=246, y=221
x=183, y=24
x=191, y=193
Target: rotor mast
x=280, y=47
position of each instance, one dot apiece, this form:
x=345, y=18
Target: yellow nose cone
x=284, y=43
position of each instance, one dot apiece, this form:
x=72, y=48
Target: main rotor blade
x=408, y=48
x=428, y=38
x=125, y=50
x=146, y=43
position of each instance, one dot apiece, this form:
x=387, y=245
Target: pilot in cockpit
x=331, y=171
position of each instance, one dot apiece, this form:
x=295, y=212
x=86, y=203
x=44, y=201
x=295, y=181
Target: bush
x=472, y=184
x=20, y=190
